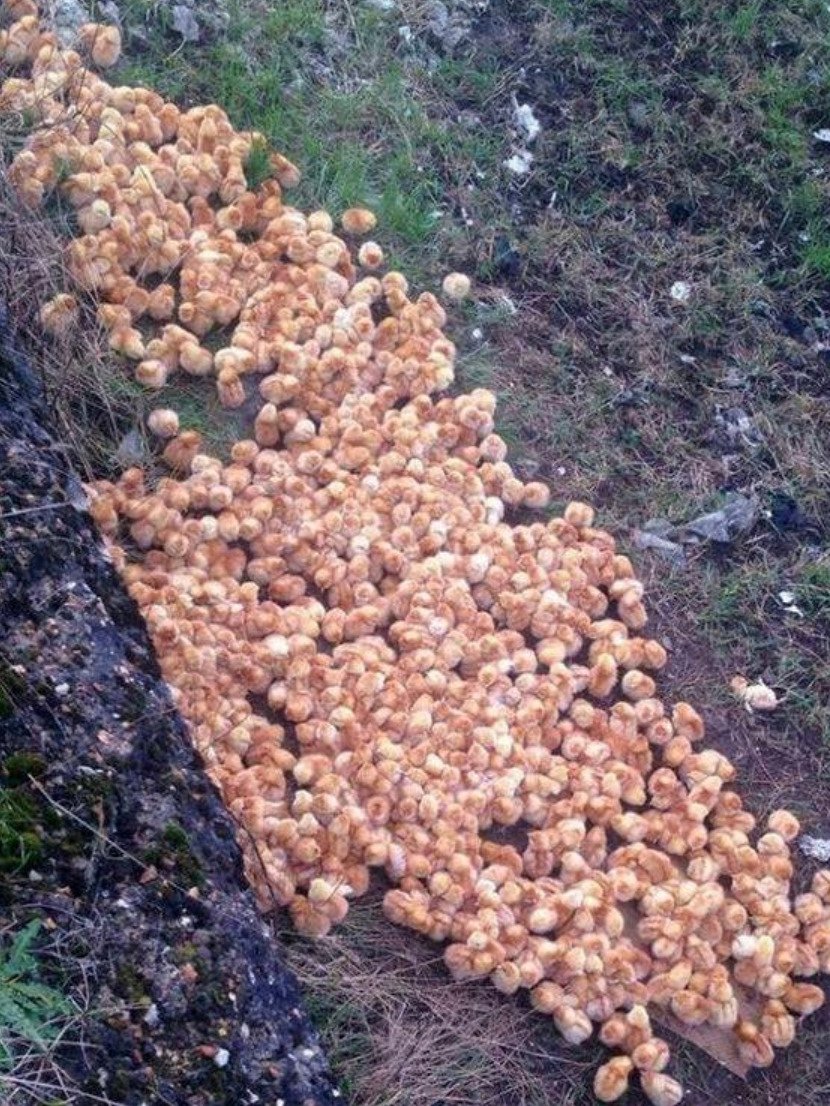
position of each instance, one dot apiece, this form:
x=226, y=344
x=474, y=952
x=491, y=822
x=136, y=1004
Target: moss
x=174, y=836
x=130, y=985
x=174, y=853
x=186, y=953
x=20, y=840
x=18, y=767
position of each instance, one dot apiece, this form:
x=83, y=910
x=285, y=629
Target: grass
x=399, y=1032
x=345, y=115
x=93, y=404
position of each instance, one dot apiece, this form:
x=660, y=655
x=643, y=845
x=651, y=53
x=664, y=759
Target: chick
x=60, y=315
x=358, y=221
x=456, y=286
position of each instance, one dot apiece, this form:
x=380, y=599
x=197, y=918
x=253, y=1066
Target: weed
x=743, y=23
x=30, y=1011
x=816, y=258
x=258, y=164
x=20, y=842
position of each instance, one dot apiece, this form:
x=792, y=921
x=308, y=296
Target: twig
x=34, y=510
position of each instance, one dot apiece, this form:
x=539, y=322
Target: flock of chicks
x=379, y=668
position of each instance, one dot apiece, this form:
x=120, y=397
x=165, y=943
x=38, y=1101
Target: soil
x=128, y=857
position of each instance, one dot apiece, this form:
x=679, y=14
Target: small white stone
x=221, y=1058
x=681, y=291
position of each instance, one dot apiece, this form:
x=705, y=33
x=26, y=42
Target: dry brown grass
x=91, y=400
x=400, y=1032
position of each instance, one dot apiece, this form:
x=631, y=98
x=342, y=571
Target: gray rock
x=132, y=450
x=661, y=527
x=816, y=847
x=737, y=516
x=669, y=551
x=739, y=427
x=185, y=22
x=67, y=17
x=109, y=12
x=438, y=17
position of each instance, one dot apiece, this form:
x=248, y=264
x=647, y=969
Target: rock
x=67, y=17
x=507, y=261
x=659, y=526
x=132, y=450
x=786, y=513
x=116, y=755
x=185, y=23
x=739, y=427
x=669, y=551
x=737, y=516
x=109, y=12
x=437, y=17
x=818, y=848
x=525, y=121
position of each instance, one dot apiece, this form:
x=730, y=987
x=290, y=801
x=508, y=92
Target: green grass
x=31, y=1012
x=355, y=129
x=745, y=617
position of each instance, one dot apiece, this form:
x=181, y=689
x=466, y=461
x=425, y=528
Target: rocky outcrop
x=130, y=850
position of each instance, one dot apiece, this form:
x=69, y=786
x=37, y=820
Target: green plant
x=20, y=844
x=817, y=259
x=258, y=164
x=30, y=1011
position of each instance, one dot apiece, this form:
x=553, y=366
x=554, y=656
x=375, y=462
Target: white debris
x=787, y=601
x=405, y=32
x=816, y=847
x=681, y=291
x=221, y=1058
x=526, y=122
x=822, y=135
x=151, y=1018
x=519, y=163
